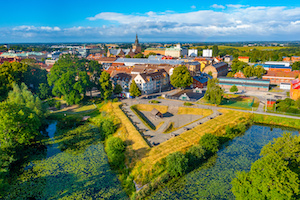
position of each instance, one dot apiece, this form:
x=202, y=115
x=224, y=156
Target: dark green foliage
x=69, y=77
x=187, y=104
x=118, y=89
x=154, y=101
x=115, y=100
x=10, y=73
x=234, y=89
x=196, y=155
x=44, y=91
x=139, y=55
x=181, y=77
x=214, y=93
x=177, y=164
x=58, y=105
x=134, y=89
x=230, y=74
x=259, y=71
x=105, y=85
x=115, y=148
x=238, y=66
x=210, y=143
x=297, y=103
x=215, y=50
x=288, y=106
x=275, y=175
x=248, y=71
x=296, y=65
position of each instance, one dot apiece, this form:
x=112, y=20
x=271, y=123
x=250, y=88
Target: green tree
x=210, y=73
x=259, y=71
x=139, y=55
x=196, y=154
x=44, y=91
x=210, y=143
x=10, y=73
x=181, y=77
x=21, y=95
x=118, y=89
x=215, y=50
x=296, y=65
x=214, y=93
x=127, y=56
x=238, y=66
x=105, y=85
x=275, y=175
x=248, y=71
x=134, y=90
x=230, y=74
x=234, y=89
x=177, y=164
x=18, y=124
x=115, y=151
x=69, y=78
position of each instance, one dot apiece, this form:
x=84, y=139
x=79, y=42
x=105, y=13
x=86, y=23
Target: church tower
x=136, y=46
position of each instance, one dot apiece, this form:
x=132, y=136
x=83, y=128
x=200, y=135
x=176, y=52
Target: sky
x=36, y=21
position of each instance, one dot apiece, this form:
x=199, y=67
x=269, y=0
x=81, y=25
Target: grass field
x=194, y=111
x=282, y=121
x=149, y=107
x=145, y=167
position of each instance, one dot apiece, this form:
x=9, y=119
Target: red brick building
x=277, y=77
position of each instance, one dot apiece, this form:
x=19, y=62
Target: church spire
x=136, y=40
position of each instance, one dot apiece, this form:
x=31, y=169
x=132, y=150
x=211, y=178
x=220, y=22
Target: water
x=214, y=182
x=84, y=174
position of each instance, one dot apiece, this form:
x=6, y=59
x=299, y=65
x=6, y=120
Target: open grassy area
x=144, y=169
x=194, y=111
x=247, y=49
x=149, y=107
x=282, y=121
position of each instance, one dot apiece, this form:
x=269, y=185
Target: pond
x=65, y=175
x=213, y=180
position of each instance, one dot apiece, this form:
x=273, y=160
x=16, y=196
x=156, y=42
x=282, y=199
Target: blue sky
x=165, y=21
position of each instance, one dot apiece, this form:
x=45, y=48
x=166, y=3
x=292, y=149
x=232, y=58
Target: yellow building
x=243, y=59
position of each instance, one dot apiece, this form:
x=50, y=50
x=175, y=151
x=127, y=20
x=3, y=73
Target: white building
x=193, y=52
x=287, y=64
x=285, y=86
x=207, y=52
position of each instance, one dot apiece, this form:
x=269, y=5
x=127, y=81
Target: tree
x=259, y=71
x=214, y=93
x=69, y=78
x=44, y=91
x=248, y=71
x=10, y=73
x=275, y=175
x=238, y=66
x=230, y=74
x=177, y=164
x=181, y=77
x=296, y=65
x=127, y=56
x=210, y=143
x=115, y=151
x=215, y=50
x=105, y=85
x=234, y=89
x=134, y=90
x=210, y=74
x=196, y=154
x=139, y=55
x=21, y=95
x=118, y=89
x=18, y=124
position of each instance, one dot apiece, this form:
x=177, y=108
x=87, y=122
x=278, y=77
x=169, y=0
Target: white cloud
x=243, y=23
x=218, y=6
x=193, y=6
x=237, y=6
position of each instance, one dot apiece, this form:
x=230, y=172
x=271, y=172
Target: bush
x=210, y=143
x=58, y=105
x=154, y=101
x=196, y=155
x=115, y=100
x=115, y=151
x=187, y=104
x=177, y=164
x=51, y=102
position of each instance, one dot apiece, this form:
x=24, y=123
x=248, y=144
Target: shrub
x=115, y=100
x=154, y=101
x=115, y=151
x=177, y=164
x=58, y=105
x=195, y=155
x=187, y=104
x=107, y=127
x=210, y=143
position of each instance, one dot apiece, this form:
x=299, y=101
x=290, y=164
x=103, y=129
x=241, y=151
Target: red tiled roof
x=291, y=74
